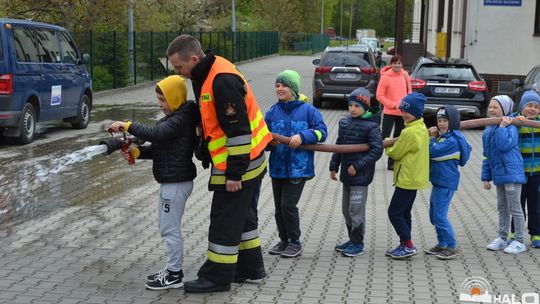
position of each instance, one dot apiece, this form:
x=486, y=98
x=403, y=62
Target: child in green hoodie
x=411, y=171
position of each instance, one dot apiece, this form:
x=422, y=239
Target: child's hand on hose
x=433, y=132
x=118, y=126
x=295, y=142
x=131, y=153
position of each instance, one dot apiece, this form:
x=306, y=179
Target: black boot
x=255, y=277
x=201, y=285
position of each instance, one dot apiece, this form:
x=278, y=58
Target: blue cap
x=413, y=103
x=528, y=97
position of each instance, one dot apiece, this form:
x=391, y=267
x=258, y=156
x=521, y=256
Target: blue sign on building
x=503, y=2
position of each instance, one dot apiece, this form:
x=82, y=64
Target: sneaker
x=353, y=250
x=278, y=248
x=166, y=280
x=497, y=244
x=340, y=247
x=515, y=247
x=403, y=253
x=434, y=250
x=388, y=252
x=535, y=241
x=153, y=277
x=293, y=250
x=448, y=254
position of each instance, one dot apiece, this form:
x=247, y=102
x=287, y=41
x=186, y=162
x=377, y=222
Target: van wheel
x=27, y=124
x=83, y=114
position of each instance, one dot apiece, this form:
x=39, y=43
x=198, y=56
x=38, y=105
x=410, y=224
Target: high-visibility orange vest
x=217, y=145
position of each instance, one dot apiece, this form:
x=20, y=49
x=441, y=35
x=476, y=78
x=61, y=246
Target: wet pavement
x=85, y=231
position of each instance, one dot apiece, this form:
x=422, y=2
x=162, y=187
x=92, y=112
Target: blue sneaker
x=403, y=253
x=340, y=247
x=388, y=252
x=535, y=241
x=353, y=250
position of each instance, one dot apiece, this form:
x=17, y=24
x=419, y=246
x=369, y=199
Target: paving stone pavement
x=100, y=249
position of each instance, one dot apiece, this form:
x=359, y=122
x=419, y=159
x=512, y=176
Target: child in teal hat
x=290, y=167
x=290, y=79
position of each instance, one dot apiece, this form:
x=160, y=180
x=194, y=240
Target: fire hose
x=352, y=148
x=123, y=143
x=115, y=143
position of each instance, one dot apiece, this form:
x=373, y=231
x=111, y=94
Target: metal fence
x=303, y=43
x=114, y=65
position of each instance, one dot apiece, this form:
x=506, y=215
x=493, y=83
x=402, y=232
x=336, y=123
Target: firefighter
x=236, y=136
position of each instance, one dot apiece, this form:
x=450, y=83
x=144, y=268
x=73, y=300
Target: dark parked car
x=343, y=69
x=450, y=81
x=532, y=81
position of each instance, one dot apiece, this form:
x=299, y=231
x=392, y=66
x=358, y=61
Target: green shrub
x=101, y=78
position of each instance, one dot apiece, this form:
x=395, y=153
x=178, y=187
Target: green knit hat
x=291, y=79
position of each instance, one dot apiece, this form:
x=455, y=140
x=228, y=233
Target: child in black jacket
x=172, y=144
x=361, y=126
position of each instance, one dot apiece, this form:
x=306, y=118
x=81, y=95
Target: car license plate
x=345, y=75
x=446, y=90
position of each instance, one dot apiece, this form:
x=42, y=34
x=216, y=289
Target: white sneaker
x=497, y=244
x=515, y=247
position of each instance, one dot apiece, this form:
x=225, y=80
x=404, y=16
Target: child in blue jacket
x=503, y=165
x=361, y=126
x=448, y=148
x=291, y=167
x=529, y=144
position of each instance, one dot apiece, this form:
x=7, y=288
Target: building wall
x=501, y=39
x=498, y=39
x=432, y=26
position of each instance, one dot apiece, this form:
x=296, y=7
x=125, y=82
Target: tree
x=285, y=19
x=75, y=15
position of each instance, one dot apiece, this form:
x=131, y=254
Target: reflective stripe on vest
x=219, y=146
x=255, y=168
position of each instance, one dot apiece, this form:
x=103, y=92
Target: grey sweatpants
x=353, y=206
x=509, y=204
x=170, y=208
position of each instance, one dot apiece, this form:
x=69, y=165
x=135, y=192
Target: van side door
x=74, y=72
x=53, y=83
x=26, y=68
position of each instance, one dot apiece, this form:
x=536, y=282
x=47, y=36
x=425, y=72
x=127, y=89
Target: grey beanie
x=507, y=104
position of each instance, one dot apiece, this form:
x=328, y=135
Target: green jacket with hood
x=411, y=155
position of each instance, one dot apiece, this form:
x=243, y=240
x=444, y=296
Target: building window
x=537, y=19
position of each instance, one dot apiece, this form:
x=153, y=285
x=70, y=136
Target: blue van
x=42, y=78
